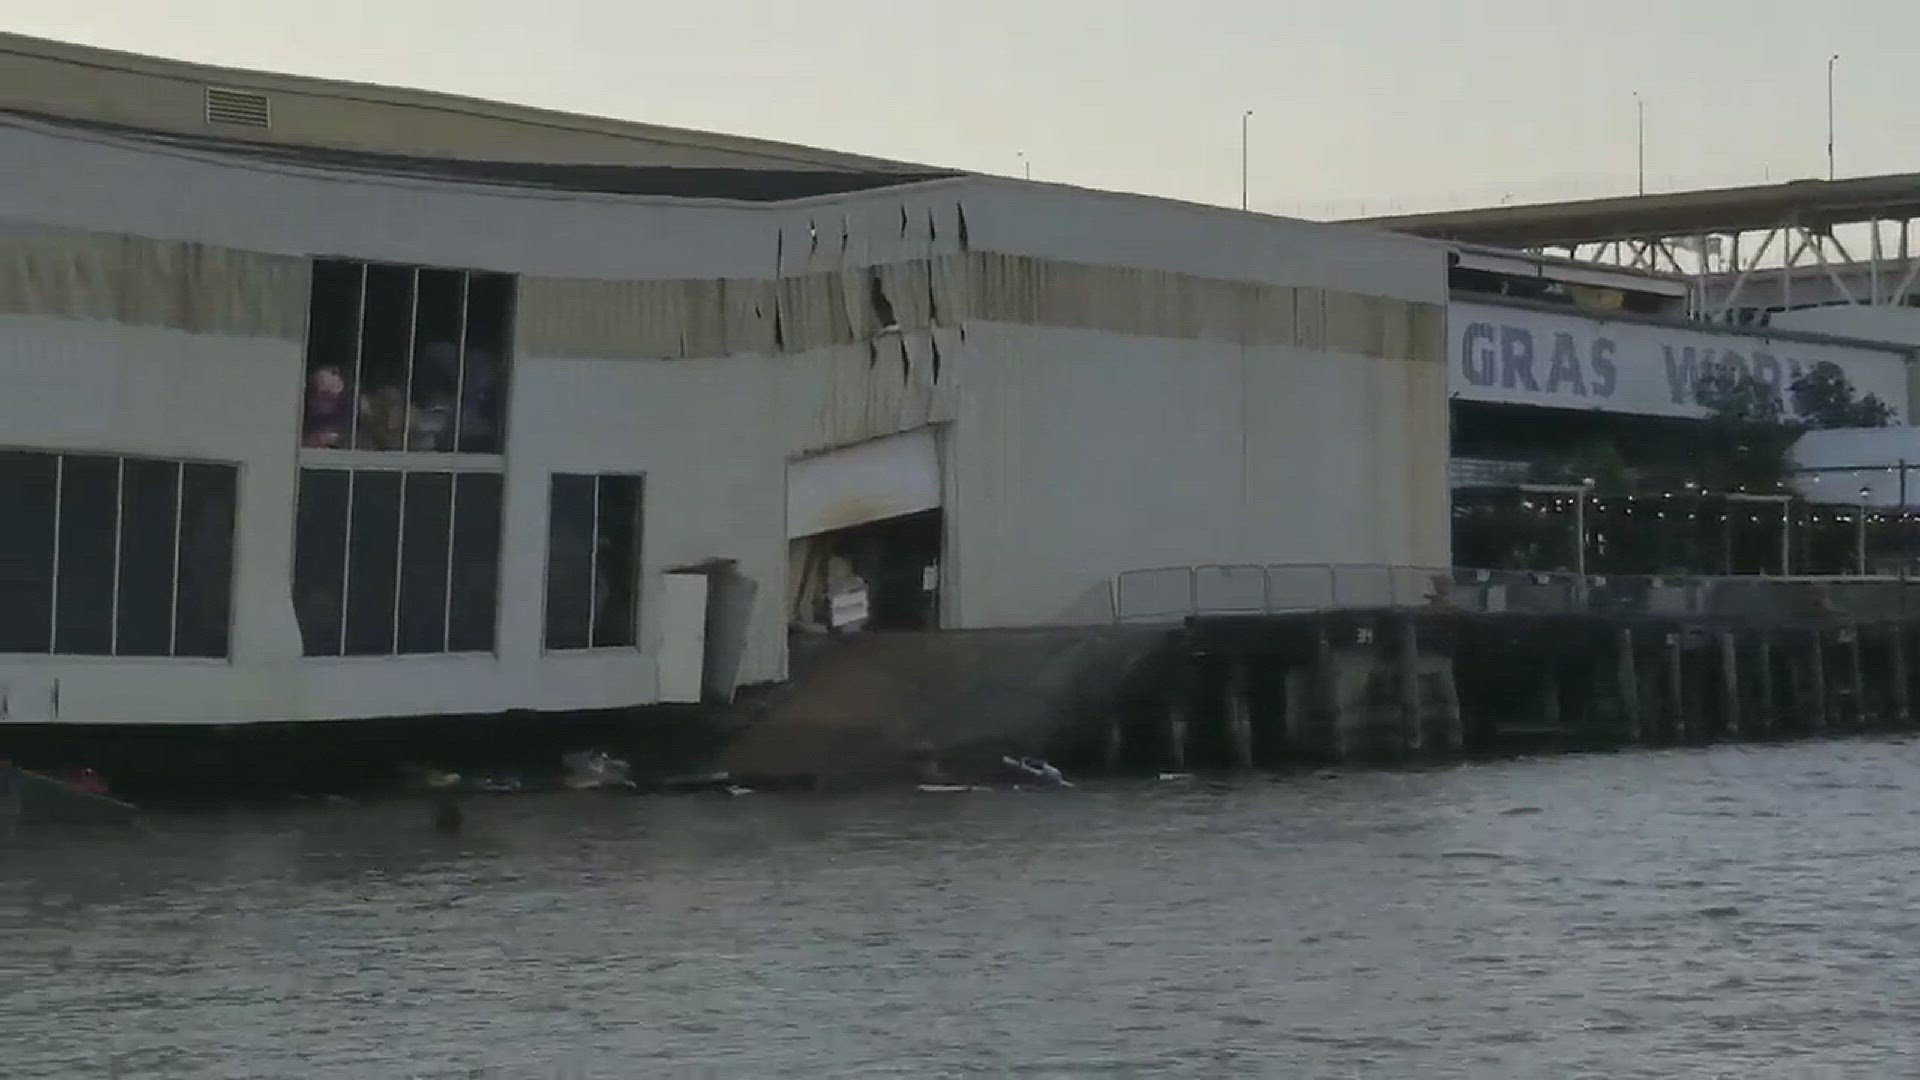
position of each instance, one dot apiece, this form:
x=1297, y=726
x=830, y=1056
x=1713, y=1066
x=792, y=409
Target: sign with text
x=1568, y=360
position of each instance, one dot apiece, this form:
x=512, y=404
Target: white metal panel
x=1524, y=356
x=872, y=481
x=683, y=637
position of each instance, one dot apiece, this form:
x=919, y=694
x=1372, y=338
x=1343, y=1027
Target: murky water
x=1738, y=912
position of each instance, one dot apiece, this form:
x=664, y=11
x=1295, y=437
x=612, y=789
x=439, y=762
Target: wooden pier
x=1400, y=685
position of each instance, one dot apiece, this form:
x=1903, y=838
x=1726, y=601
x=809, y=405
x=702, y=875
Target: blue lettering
x=1516, y=359
x=1683, y=374
x=1565, y=367
x=1477, y=355
x=1606, y=377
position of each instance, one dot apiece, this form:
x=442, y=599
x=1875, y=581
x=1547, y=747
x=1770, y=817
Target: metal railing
x=1173, y=593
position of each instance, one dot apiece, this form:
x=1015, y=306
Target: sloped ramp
x=862, y=708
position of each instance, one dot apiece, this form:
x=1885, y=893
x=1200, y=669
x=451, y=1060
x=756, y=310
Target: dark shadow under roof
x=744, y=184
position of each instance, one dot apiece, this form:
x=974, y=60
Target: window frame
x=509, y=323
x=639, y=478
x=352, y=463
x=180, y=465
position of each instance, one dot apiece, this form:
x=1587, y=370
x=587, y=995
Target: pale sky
x=1360, y=106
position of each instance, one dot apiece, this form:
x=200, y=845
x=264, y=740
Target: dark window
x=616, y=566
x=373, y=555
x=333, y=353
x=109, y=556
x=424, y=551
x=149, y=520
x=407, y=358
x=320, y=558
x=483, y=363
x=570, y=562
x=83, y=572
x=203, y=613
x=27, y=492
x=476, y=562
x=593, y=562
x=390, y=562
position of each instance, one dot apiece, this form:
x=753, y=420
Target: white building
x=299, y=431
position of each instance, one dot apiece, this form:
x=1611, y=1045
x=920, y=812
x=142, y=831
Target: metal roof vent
x=245, y=108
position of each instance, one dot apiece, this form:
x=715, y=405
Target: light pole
x=1244, y=118
x=1831, y=61
x=1640, y=109
x=1025, y=165
x=1860, y=534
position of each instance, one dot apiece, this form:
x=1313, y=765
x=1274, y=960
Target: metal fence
x=1167, y=594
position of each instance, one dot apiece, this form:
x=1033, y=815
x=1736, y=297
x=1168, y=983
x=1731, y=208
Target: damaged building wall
x=1152, y=384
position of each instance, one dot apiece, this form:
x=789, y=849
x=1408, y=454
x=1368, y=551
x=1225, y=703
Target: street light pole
x=1860, y=535
x=1244, y=118
x=1640, y=108
x=1831, y=61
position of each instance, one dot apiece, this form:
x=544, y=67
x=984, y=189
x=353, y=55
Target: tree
x=1750, y=433
x=1824, y=398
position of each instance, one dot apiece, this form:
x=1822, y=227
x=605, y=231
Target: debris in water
x=1037, y=770
x=591, y=769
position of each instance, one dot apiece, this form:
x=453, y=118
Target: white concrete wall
x=1079, y=456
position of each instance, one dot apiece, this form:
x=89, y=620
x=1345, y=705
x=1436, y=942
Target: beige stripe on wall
x=141, y=282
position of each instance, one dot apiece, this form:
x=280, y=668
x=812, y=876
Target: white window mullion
x=59, y=507
x=413, y=332
x=179, y=529
x=119, y=513
x=460, y=363
x=346, y=562
x=453, y=513
x=593, y=565
x=355, y=390
x=399, y=549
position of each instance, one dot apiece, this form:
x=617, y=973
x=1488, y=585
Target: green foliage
x=1824, y=398
x=1750, y=432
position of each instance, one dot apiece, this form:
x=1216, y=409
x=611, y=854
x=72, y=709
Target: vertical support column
x=1239, y=715
x=1627, y=683
x=1857, y=670
x=1453, y=723
x=1769, y=714
x=1901, y=689
x=1730, y=685
x=1413, y=724
x=1676, y=685
x=1327, y=706
x=1817, y=672
x=1177, y=733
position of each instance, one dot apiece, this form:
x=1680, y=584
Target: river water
x=1734, y=912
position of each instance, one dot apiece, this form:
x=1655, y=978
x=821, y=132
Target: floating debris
x=593, y=769
x=1036, y=770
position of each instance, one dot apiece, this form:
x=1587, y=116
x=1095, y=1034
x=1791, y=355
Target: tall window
x=593, y=562
x=407, y=358
x=388, y=562
x=115, y=556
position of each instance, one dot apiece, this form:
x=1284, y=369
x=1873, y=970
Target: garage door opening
x=882, y=575
x=865, y=532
